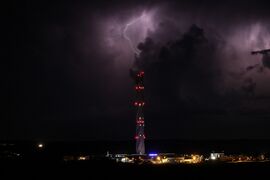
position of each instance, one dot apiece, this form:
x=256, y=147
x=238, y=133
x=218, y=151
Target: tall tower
x=139, y=104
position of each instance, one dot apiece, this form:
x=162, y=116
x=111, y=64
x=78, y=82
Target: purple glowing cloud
x=144, y=24
x=120, y=36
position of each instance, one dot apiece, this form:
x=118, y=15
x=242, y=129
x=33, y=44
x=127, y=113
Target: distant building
x=216, y=156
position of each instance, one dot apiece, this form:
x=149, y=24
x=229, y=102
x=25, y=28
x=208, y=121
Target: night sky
x=68, y=71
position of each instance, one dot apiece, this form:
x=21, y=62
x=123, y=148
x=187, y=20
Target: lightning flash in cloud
x=144, y=22
x=121, y=38
x=134, y=49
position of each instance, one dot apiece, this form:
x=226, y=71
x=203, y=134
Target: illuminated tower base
x=139, y=103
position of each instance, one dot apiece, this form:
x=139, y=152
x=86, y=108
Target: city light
x=82, y=158
x=172, y=158
x=152, y=154
x=40, y=145
x=164, y=160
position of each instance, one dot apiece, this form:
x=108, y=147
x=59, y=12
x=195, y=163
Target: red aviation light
x=140, y=74
x=136, y=137
x=138, y=88
x=140, y=103
x=140, y=122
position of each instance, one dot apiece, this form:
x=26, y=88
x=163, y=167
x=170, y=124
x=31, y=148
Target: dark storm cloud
x=183, y=69
x=69, y=73
x=266, y=60
x=204, y=68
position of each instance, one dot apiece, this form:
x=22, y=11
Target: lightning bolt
x=133, y=48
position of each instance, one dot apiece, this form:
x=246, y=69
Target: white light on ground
x=40, y=145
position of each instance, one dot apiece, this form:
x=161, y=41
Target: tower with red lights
x=139, y=104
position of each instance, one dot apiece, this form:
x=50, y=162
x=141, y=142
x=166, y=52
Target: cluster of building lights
x=170, y=158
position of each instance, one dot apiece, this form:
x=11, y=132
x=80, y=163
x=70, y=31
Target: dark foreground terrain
x=111, y=170
x=47, y=163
